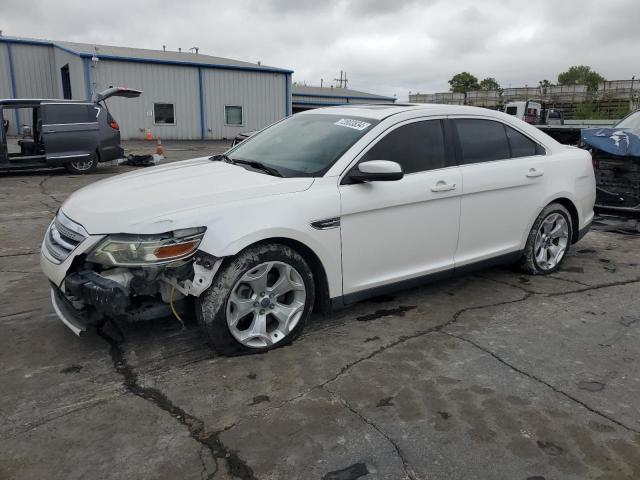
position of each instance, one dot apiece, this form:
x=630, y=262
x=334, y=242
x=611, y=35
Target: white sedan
x=324, y=208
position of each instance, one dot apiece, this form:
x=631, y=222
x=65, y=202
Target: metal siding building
x=305, y=98
x=198, y=87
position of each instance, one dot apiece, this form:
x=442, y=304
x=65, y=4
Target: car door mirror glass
x=376, y=170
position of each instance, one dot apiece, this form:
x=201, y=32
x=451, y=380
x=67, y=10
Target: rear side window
x=70, y=113
x=482, y=140
x=417, y=147
x=521, y=146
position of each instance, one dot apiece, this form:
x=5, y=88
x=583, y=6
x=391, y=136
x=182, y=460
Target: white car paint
x=392, y=231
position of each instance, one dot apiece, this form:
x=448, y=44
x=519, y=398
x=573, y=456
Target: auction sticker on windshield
x=351, y=123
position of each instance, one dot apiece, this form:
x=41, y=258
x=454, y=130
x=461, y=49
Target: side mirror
x=376, y=171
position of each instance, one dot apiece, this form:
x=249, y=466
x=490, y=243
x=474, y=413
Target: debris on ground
x=143, y=160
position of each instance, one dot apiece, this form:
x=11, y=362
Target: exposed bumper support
x=103, y=294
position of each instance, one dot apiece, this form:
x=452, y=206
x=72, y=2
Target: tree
x=489, y=83
x=544, y=85
x=581, y=75
x=464, y=82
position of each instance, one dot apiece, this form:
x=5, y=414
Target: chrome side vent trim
x=326, y=223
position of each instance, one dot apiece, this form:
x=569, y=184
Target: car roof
x=382, y=111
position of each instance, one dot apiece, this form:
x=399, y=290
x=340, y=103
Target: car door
x=69, y=131
x=503, y=183
x=399, y=230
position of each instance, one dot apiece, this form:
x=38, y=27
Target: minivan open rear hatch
x=118, y=92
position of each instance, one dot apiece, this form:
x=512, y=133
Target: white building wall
x=161, y=84
x=33, y=68
x=262, y=96
x=76, y=74
x=33, y=72
x=5, y=79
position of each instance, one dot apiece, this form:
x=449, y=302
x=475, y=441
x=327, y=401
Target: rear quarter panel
x=570, y=175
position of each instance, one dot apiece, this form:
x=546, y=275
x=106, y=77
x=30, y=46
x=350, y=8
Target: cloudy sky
x=386, y=47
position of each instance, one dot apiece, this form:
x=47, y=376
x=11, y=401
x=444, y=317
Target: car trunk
x=118, y=92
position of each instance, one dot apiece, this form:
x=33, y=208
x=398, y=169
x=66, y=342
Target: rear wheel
x=260, y=300
x=549, y=241
x=80, y=167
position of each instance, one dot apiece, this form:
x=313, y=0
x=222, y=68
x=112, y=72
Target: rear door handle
x=533, y=173
x=443, y=186
x=49, y=131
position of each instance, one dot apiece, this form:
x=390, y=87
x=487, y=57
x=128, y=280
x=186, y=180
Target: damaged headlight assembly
x=130, y=250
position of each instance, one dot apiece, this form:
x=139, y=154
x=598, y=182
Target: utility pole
x=342, y=81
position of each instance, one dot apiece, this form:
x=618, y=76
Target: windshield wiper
x=252, y=163
x=258, y=166
x=221, y=158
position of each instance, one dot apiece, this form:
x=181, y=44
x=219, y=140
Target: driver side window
x=417, y=147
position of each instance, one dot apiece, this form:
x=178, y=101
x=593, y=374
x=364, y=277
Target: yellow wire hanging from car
x=173, y=309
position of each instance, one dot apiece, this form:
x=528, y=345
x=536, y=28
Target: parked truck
x=551, y=121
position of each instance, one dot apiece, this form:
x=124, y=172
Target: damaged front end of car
x=123, y=276
x=616, y=161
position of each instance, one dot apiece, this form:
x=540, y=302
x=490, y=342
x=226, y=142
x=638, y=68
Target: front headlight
x=139, y=250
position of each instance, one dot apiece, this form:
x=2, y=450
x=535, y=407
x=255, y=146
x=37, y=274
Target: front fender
x=283, y=216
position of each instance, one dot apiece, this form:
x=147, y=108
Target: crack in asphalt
x=237, y=467
x=541, y=381
x=22, y=312
x=50, y=196
x=22, y=254
x=421, y=333
x=406, y=466
x=595, y=287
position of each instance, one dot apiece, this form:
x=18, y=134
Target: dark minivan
x=72, y=134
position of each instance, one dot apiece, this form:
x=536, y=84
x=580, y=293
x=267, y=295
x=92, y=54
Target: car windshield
x=630, y=121
x=304, y=144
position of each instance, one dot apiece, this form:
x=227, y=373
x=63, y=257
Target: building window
x=233, y=115
x=163, y=114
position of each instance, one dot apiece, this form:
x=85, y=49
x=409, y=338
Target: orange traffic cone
x=160, y=148
x=148, y=135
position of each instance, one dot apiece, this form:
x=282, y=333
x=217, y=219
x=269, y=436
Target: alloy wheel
x=265, y=304
x=82, y=165
x=551, y=241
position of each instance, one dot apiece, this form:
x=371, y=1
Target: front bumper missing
x=101, y=296
x=71, y=317
x=87, y=298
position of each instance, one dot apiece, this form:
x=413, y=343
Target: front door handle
x=443, y=186
x=533, y=173
x=49, y=131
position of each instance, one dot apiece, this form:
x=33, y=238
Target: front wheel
x=80, y=167
x=549, y=241
x=259, y=300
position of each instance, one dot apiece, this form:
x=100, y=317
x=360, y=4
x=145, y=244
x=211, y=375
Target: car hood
x=157, y=199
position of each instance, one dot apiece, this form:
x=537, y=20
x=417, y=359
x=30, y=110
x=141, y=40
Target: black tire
x=211, y=308
x=76, y=171
x=529, y=264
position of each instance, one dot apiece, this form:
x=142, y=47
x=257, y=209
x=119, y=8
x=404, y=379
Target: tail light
x=113, y=124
